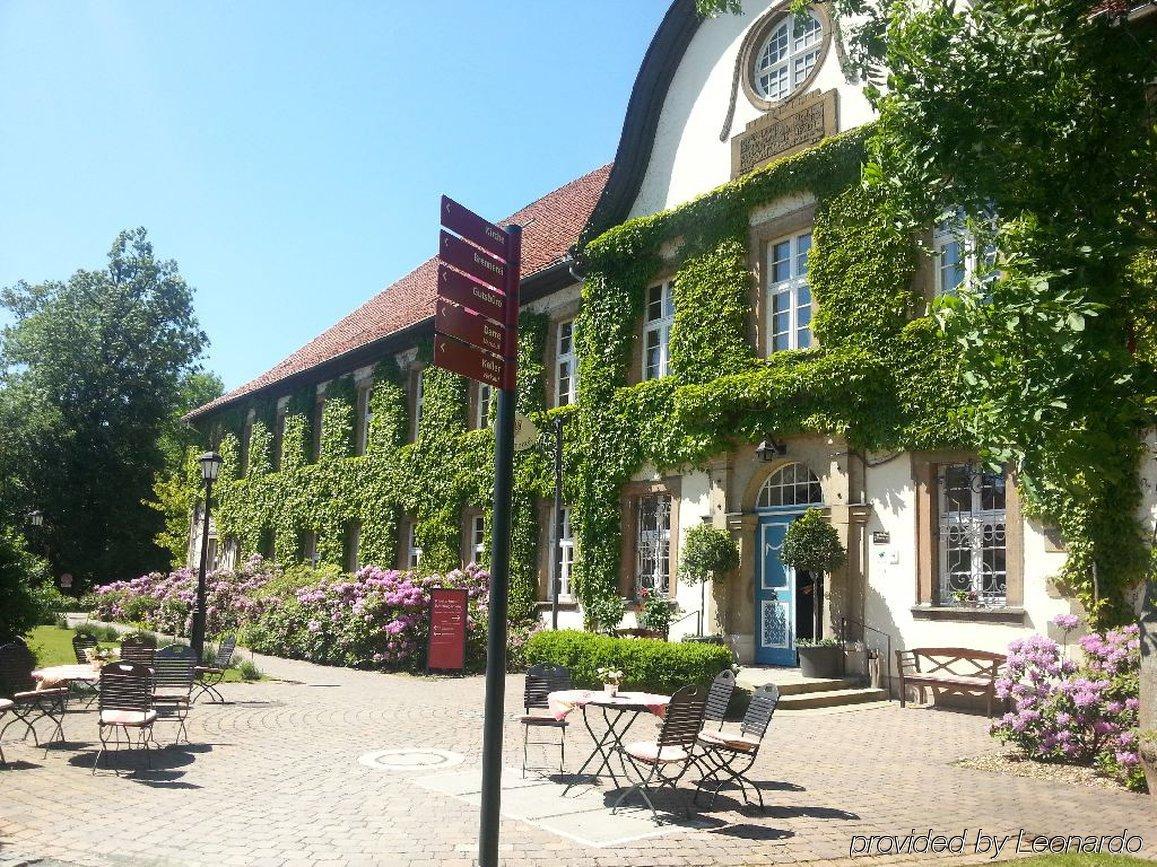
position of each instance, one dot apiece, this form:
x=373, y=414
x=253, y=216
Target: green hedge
x=647, y=664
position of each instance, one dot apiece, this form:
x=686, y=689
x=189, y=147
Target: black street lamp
x=36, y=519
x=210, y=467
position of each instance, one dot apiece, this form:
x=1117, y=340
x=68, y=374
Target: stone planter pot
x=820, y=661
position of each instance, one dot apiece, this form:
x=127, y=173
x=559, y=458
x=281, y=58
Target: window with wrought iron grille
x=788, y=56
x=790, y=485
x=660, y=315
x=789, y=297
x=972, y=537
x=566, y=366
x=653, y=543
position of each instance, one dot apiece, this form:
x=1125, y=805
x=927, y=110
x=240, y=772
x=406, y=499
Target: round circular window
x=783, y=55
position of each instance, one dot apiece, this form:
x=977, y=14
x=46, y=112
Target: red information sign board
x=469, y=293
x=464, y=359
x=469, y=326
x=446, y=650
x=470, y=260
x=473, y=228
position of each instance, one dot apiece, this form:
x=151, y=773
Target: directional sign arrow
x=469, y=326
x=461, y=289
x=470, y=260
x=469, y=361
x=473, y=228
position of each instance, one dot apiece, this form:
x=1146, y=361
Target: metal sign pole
x=500, y=570
x=556, y=579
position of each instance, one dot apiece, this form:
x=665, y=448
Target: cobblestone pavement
x=273, y=778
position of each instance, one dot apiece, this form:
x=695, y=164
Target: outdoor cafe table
x=619, y=713
x=65, y=674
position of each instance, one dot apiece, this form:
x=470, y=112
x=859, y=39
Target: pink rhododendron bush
x=164, y=602
x=1086, y=713
x=377, y=618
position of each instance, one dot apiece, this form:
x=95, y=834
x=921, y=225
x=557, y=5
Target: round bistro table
x=619, y=713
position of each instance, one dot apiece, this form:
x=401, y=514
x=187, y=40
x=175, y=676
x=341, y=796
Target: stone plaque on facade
x=797, y=124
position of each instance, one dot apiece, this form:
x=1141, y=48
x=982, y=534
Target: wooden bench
x=957, y=668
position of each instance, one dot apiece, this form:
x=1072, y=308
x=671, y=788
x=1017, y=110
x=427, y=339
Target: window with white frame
x=566, y=366
x=788, y=56
x=973, y=539
x=564, y=566
x=413, y=552
x=789, y=297
x=484, y=395
x=653, y=543
x=478, y=539
x=418, y=389
x=365, y=417
x=660, y=315
x=790, y=485
x=956, y=252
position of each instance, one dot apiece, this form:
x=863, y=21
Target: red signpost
x=476, y=335
x=446, y=648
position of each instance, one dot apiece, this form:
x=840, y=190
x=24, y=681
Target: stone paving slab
x=273, y=777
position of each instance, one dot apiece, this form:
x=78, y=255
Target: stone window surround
x=671, y=486
x=925, y=466
x=759, y=237
x=558, y=315
x=753, y=42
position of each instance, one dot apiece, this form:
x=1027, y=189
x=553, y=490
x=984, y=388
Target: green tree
x=177, y=485
x=91, y=374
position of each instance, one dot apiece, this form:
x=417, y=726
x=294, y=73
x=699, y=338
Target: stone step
x=831, y=698
x=791, y=682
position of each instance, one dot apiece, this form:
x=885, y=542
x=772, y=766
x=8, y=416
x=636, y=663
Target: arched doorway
x=784, y=602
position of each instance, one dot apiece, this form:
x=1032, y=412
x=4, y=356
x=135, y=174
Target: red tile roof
x=551, y=226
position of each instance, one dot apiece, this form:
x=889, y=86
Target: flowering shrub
x=378, y=618
x=1082, y=714
x=164, y=602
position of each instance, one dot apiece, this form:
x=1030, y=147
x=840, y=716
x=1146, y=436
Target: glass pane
x=654, y=303
x=958, y=489
x=669, y=301
x=803, y=248
x=992, y=492
x=781, y=262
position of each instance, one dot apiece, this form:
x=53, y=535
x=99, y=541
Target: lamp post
x=556, y=578
x=210, y=467
x=36, y=518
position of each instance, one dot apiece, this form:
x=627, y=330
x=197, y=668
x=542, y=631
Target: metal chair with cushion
x=719, y=698
x=663, y=761
x=28, y=704
x=6, y=704
x=724, y=755
x=541, y=680
x=81, y=643
x=209, y=676
x=135, y=650
x=126, y=703
x=173, y=672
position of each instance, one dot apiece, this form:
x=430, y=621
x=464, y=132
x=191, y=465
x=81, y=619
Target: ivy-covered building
x=733, y=332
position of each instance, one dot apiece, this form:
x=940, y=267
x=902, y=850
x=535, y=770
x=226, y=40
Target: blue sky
x=289, y=155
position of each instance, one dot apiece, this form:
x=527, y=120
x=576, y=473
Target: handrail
x=845, y=620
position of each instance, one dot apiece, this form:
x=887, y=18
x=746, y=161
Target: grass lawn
x=53, y=646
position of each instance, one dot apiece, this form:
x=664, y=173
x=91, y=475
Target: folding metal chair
x=541, y=680
x=173, y=672
x=81, y=643
x=665, y=760
x=725, y=755
x=209, y=676
x=29, y=704
x=6, y=705
x=134, y=650
x=126, y=702
x=719, y=698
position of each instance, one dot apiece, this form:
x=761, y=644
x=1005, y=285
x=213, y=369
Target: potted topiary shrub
x=604, y=613
x=820, y=658
x=813, y=545
x=708, y=552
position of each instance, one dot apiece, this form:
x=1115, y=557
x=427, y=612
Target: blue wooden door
x=774, y=595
